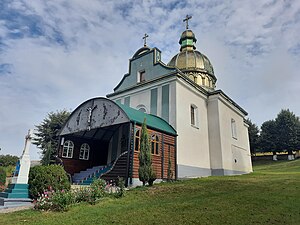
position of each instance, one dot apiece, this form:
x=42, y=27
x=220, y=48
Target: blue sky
x=56, y=54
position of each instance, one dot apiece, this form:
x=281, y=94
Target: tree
x=288, y=131
x=267, y=139
x=46, y=137
x=8, y=160
x=253, y=132
x=146, y=173
x=281, y=134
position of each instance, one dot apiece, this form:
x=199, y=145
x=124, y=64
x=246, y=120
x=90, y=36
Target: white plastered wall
x=230, y=154
x=192, y=141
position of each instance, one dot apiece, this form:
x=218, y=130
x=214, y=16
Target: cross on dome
x=187, y=18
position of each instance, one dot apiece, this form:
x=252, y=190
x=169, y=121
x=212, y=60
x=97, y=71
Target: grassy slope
x=270, y=195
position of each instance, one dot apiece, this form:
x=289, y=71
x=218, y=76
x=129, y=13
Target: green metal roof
x=152, y=121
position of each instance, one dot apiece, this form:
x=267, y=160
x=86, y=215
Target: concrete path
x=8, y=209
x=14, y=204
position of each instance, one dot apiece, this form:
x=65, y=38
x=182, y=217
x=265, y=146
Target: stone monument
x=17, y=193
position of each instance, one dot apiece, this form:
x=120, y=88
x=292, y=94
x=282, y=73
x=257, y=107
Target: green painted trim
x=165, y=102
x=153, y=121
x=153, y=102
x=127, y=101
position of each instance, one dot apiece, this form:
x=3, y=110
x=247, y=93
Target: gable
x=92, y=114
x=148, y=61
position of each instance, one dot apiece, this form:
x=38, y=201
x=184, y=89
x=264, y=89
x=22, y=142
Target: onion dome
x=193, y=63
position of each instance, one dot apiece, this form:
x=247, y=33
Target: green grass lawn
x=270, y=195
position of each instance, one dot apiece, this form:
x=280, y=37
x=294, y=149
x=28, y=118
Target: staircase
x=15, y=191
x=118, y=169
x=86, y=177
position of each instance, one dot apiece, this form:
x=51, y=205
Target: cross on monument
x=145, y=39
x=187, y=18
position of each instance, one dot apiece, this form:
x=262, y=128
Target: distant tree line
x=8, y=160
x=281, y=134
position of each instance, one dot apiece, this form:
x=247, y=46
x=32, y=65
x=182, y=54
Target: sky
x=56, y=54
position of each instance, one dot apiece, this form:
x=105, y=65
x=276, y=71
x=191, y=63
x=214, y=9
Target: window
x=137, y=140
x=194, y=116
x=154, y=144
x=142, y=108
x=233, y=129
x=68, y=149
x=84, y=151
x=193, y=122
x=142, y=76
x=203, y=80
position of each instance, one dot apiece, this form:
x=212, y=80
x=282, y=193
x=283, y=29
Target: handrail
x=114, y=163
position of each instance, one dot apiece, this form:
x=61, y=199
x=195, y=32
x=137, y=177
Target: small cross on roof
x=145, y=39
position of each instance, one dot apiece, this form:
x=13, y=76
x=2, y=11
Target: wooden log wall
x=167, y=150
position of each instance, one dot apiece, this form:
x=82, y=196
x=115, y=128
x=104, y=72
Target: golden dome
x=192, y=62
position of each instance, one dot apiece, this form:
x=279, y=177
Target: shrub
x=55, y=200
x=62, y=200
x=52, y=177
x=2, y=176
x=152, y=177
x=97, y=190
x=121, y=188
x=82, y=195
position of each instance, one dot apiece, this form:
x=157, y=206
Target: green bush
x=97, y=190
x=2, y=176
x=121, y=188
x=152, y=177
x=51, y=177
x=61, y=201
x=82, y=195
x=54, y=201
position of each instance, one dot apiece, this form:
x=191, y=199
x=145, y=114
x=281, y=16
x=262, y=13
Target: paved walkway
x=5, y=209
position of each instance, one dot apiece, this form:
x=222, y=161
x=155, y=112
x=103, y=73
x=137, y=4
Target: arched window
x=209, y=82
x=84, y=151
x=154, y=144
x=68, y=149
x=142, y=108
x=203, y=80
x=137, y=140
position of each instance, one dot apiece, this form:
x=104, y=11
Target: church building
x=194, y=127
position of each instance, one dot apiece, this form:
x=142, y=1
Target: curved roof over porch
x=101, y=112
